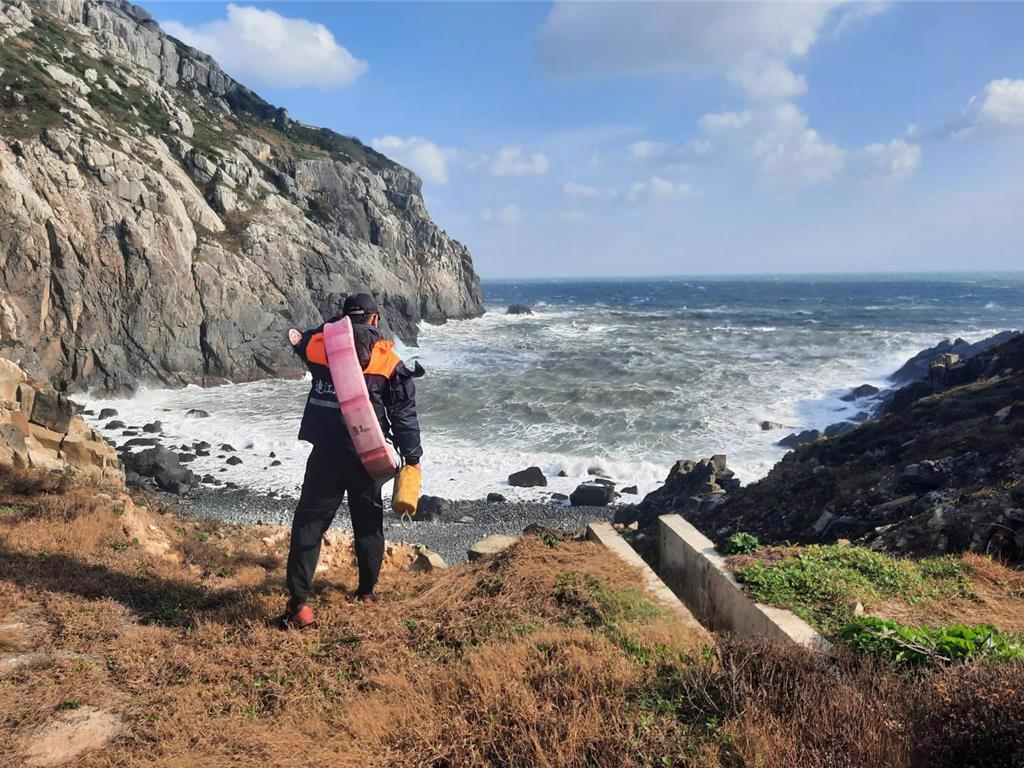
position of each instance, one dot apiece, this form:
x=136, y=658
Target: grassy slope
x=823, y=583
x=545, y=656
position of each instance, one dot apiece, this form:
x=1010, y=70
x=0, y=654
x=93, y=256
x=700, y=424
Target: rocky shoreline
x=700, y=490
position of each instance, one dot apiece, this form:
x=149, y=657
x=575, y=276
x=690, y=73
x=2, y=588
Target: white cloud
x=507, y=214
x=513, y=161
x=785, y=150
x=792, y=154
x=425, y=157
x=753, y=44
x=573, y=217
x=894, y=161
x=657, y=188
x=572, y=189
x=645, y=149
x=714, y=122
x=999, y=108
x=262, y=47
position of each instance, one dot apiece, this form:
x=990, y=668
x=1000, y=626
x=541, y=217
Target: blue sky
x=597, y=139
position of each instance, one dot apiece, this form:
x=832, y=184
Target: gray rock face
x=531, y=477
x=163, y=224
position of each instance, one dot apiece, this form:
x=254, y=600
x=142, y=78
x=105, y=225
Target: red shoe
x=368, y=599
x=299, y=617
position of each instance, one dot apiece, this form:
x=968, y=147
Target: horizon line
x=719, y=275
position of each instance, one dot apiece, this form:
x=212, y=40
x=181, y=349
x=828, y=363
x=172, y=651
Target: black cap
x=360, y=305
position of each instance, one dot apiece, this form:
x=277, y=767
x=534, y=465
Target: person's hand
x=294, y=336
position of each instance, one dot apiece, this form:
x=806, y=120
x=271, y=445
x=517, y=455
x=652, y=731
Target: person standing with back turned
x=334, y=468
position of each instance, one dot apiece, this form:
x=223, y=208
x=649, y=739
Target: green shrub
x=741, y=543
x=925, y=645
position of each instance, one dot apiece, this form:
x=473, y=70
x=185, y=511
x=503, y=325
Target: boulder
x=592, y=495
x=631, y=490
x=426, y=560
x=495, y=498
x=115, y=425
x=925, y=474
x=196, y=413
x=233, y=461
x=154, y=427
x=227, y=448
x=491, y=545
x=795, y=440
x=432, y=509
x=839, y=429
x=52, y=410
x=141, y=441
x=107, y=413
x=531, y=477
x=163, y=466
x=518, y=309
x=858, y=393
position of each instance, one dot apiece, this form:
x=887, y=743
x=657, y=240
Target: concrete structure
x=692, y=567
x=661, y=594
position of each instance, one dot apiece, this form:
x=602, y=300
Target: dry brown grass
x=996, y=598
x=545, y=656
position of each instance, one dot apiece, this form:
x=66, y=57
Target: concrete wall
x=661, y=594
x=692, y=568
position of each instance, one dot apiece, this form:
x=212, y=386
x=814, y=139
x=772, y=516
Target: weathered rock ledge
x=39, y=430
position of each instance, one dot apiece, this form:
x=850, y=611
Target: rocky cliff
x=161, y=223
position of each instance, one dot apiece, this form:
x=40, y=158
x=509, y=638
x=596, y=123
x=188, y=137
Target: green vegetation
x=741, y=543
x=923, y=645
x=821, y=583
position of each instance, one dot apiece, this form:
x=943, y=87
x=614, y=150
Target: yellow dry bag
x=407, y=490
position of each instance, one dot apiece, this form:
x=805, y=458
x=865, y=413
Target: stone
x=426, y=561
x=275, y=463
x=532, y=477
x=518, y=309
x=202, y=445
x=796, y=440
x=631, y=490
x=141, y=441
x=107, y=413
x=227, y=448
x=1002, y=416
x=52, y=410
x=154, y=427
x=432, y=509
x=491, y=545
x=858, y=393
x=769, y=425
x=196, y=413
x=115, y=425
x=592, y=495
x=495, y=498
x=186, y=458
x=233, y=461
x=839, y=429
x=559, y=497
x=163, y=466
x=926, y=474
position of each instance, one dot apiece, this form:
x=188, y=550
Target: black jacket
x=389, y=383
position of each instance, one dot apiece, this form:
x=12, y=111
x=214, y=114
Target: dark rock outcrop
x=164, y=224
x=796, y=439
x=531, y=477
x=518, y=309
x=691, y=487
x=858, y=393
x=936, y=475
x=917, y=367
x=592, y=495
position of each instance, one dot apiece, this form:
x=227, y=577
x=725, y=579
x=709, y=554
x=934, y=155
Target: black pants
x=333, y=470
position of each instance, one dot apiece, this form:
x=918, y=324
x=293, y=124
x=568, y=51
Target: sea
x=620, y=377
